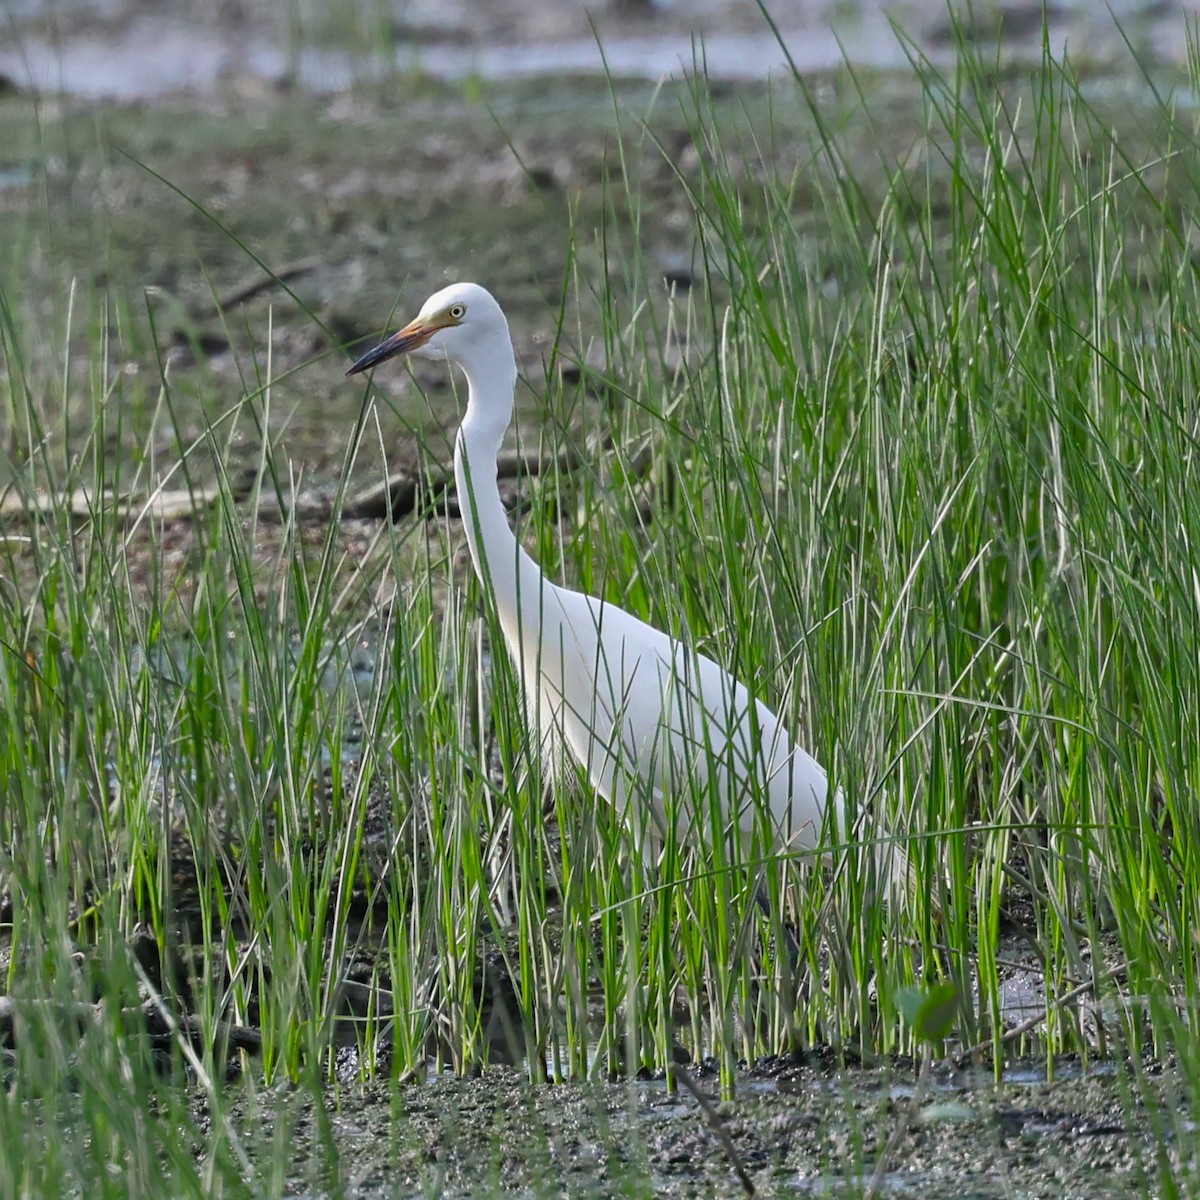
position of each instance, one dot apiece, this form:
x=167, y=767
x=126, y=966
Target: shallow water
x=129, y=50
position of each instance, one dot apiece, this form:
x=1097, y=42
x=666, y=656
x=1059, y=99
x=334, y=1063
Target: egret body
x=648, y=717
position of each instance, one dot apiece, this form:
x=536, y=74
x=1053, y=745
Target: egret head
x=454, y=324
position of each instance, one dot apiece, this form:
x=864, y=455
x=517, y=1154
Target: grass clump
x=912, y=456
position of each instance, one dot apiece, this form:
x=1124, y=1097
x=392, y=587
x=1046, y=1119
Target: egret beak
x=415, y=333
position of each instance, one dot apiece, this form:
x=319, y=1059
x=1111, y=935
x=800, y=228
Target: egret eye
x=457, y=311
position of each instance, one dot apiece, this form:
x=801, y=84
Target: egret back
x=652, y=721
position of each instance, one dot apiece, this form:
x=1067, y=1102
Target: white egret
x=646, y=715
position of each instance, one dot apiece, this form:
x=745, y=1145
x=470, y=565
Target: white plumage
x=653, y=723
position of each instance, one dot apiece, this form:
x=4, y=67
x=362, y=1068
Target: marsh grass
x=914, y=457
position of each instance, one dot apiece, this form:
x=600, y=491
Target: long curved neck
x=499, y=560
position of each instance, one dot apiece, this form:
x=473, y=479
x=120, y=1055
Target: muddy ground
x=795, y=1129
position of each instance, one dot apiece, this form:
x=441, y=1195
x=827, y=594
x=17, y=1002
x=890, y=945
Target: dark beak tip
x=371, y=358
x=409, y=338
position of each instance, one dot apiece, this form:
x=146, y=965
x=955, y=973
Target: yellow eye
x=457, y=311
